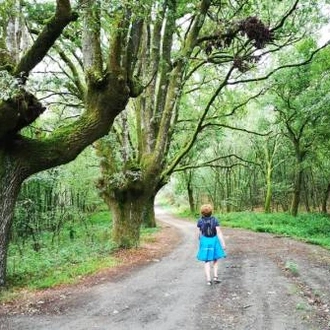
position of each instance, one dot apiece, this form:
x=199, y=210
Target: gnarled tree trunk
x=127, y=208
x=296, y=193
x=10, y=183
x=268, y=198
x=148, y=215
x=325, y=199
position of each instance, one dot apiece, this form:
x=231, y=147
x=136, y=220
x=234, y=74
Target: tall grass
x=309, y=227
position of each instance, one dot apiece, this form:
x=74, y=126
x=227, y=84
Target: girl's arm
x=198, y=233
x=221, y=238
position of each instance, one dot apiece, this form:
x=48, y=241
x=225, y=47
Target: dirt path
x=268, y=283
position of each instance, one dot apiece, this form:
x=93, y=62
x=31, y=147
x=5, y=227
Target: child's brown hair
x=206, y=210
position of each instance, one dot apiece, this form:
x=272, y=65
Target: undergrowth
x=73, y=254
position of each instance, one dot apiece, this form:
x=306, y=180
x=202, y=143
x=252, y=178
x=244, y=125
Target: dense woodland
x=105, y=104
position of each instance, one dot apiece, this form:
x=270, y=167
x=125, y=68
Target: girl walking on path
x=211, y=242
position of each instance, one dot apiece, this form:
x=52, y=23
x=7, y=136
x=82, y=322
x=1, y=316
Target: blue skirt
x=210, y=249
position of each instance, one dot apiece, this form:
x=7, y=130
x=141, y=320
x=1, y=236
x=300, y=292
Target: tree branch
x=211, y=164
x=243, y=81
x=190, y=167
x=235, y=128
x=199, y=127
x=46, y=39
x=75, y=78
x=27, y=110
x=253, y=97
x=284, y=18
x=174, y=88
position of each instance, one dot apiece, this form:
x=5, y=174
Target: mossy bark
x=10, y=182
x=268, y=198
x=148, y=215
x=296, y=193
x=22, y=157
x=131, y=204
x=127, y=216
x=325, y=199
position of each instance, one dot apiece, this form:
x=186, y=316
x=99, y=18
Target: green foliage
x=56, y=199
x=39, y=13
x=9, y=86
x=292, y=267
x=64, y=260
x=302, y=307
x=184, y=213
x=309, y=227
x=67, y=259
x=147, y=234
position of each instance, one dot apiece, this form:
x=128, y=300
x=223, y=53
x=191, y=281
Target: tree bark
x=191, y=198
x=148, y=216
x=325, y=199
x=46, y=39
x=306, y=192
x=268, y=198
x=188, y=178
x=37, y=155
x=296, y=192
x=228, y=191
x=10, y=182
x=127, y=209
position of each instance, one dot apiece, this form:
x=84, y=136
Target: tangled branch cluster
x=243, y=64
x=251, y=27
x=256, y=30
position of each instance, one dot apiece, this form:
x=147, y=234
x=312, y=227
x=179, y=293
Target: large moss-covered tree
x=190, y=52
x=101, y=78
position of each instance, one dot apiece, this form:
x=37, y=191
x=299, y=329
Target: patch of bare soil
x=47, y=301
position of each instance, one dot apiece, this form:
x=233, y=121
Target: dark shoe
x=216, y=280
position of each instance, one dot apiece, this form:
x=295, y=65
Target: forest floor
x=268, y=282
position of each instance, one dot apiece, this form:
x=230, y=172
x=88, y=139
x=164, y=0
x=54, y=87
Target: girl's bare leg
x=215, y=268
x=207, y=268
